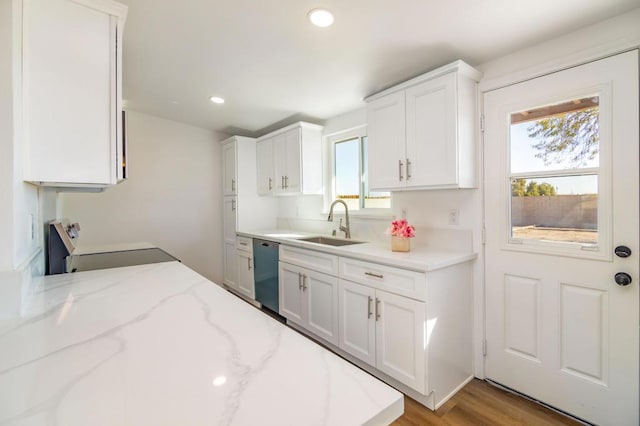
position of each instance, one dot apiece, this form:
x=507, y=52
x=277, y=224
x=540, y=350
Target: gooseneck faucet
x=345, y=229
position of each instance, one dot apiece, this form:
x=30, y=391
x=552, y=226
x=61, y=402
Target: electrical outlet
x=454, y=217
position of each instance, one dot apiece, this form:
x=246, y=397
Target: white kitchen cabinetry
x=72, y=121
x=385, y=331
x=410, y=328
x=243, y=209
x=290, y=161
x=309, y=299
x=422, y=133
x=245, y=282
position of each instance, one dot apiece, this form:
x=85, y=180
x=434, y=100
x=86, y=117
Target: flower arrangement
x=400, y=232
x=400, y=228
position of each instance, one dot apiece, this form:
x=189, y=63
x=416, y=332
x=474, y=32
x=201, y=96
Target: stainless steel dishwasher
x=265, y=273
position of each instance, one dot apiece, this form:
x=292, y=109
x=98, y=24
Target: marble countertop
x=161, y=345
x=421, y=259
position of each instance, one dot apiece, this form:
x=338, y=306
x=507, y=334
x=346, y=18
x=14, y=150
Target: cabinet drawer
x=245, y=244
x=314, y=260
x=395, y=280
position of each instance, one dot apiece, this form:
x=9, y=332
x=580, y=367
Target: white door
x=561, y=192
x=320, y=292
x=386, y=139
x=229, y=168
x=245, y=280
x=290, y=292
x=400, y=338
x=431, y=132
x=357, y=323
x=265, y=167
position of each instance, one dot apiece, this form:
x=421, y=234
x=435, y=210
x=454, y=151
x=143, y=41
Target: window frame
x=330, y=140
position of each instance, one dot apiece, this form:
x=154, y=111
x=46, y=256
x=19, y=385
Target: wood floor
x=480, y=403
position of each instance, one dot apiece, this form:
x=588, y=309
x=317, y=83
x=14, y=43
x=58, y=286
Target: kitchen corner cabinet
x=289, y=161
x=422, y=133
x=240, y=202
x=71, y=68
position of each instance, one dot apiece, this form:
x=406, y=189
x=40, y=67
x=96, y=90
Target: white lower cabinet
x=384, y=330
x=245, y=283
x=310, y=300
x=230, y=260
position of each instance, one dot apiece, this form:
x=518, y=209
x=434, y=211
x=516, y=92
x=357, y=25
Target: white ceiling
x=273, y=67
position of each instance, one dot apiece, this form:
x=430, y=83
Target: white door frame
x=515, y=76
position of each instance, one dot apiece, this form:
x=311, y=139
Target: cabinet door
x=292, y=174
x=432, y=149
x=290, y=292
x=230, y=270
x=279, y=162
x=265, y=167
x=229, y=218
x=400, y=339
x=320, y=305
x=245, y=282
x=386, y=142
x=229, y=169
x=357, y=323
x=69, y=51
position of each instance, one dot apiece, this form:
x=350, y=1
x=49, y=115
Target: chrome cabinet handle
x=369, y=313
x=304, y=285
x=299, y=281
x=400, y=169
x=233, y=184
x=377, y=309
x=270, y=184
x=248, y=263
x=408, y=169
x=233, y=205
x=286, y=182
x=282, y=182
x=243, y=244
x=371, y=274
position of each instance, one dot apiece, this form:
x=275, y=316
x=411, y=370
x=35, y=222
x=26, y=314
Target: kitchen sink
x=330, y=241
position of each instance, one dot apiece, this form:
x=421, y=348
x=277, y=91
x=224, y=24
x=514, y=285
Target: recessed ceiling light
x=216, y=100
x=320, y=18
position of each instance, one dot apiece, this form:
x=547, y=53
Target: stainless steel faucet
x=345, y=229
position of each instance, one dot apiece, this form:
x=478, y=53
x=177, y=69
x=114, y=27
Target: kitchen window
x=348, y=153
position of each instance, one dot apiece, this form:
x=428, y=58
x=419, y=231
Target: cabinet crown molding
x=459, y=66
x=299, y=124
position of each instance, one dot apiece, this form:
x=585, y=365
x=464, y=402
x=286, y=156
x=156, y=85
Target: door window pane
x=556, y=137
x=562, y=209
x=554, y=164
x=372, y=199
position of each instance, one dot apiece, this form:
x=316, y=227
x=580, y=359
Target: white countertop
x=422, y=259
x=161, y=345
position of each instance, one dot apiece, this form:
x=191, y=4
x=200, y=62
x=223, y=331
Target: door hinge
x=484, y=347
x=482, y=123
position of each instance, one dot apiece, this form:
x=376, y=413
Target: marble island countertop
x=422, y=259
x=161, y=345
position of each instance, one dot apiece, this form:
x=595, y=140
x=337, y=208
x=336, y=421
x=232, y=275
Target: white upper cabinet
x=290, y=161
x=71, y=85
x=422, y=132
x=229, y=169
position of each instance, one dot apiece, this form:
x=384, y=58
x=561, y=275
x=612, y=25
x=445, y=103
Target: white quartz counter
x=161, y=345
x=420, y=259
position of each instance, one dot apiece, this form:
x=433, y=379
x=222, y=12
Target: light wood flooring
x=478, y=404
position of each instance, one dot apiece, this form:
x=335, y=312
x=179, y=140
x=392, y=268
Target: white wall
x=171, y=199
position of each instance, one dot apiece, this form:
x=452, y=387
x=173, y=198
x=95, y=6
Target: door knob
x=622, y=279
x=622, y=251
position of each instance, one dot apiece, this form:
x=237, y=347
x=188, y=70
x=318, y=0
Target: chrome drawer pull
x=369, y=313
x=377, y=309
x=371, y=274
x=299, y=281
x=304, y=285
